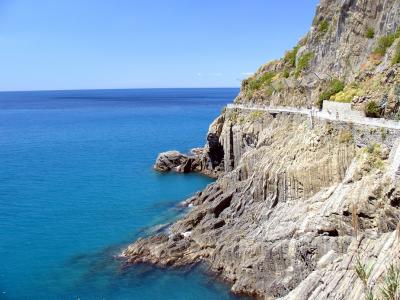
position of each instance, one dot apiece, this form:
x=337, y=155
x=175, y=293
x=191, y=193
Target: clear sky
x=84, y=44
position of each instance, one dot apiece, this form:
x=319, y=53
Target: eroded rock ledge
x=173, y=160
x=182, y=163
x=295, y=206
x=207, y=161
x=280, y=224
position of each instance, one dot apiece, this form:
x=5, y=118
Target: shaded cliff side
x=295, y=206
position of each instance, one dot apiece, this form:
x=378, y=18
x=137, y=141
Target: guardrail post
x=311, y=123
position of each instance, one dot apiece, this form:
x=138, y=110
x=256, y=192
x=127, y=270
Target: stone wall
x=340, y=108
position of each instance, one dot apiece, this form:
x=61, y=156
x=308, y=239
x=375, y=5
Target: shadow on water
x=106, y=264
x=106, y=273
x=172, y=212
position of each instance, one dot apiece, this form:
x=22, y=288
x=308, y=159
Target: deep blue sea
x=77, y=185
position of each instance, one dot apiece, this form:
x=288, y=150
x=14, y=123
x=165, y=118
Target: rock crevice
x=294, y=207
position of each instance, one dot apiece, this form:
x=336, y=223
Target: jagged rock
x=207, y=160
x=170, y=160
x=199, y=162
x=340, y=51
x=293, y=206
x=285, y=210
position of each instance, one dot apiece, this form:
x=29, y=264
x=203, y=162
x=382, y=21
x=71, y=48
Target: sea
x=77, y=186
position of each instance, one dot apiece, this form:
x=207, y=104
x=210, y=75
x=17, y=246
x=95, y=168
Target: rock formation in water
x=207, y=160
x=297, y=210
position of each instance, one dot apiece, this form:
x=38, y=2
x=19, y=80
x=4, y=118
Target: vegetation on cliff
x=389, y=287
x=297, y=204
x=363, y=57
x=303, y=63
x=370, y=33
x=334, y=86
x=372, y=110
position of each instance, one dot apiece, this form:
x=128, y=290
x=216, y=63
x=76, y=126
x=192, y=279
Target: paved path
x=349, y=118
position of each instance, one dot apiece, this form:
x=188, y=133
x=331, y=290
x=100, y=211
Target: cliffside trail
x=296, y=207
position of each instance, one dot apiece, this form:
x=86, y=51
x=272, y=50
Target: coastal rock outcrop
x=199, y=161
x=350, y=54
x=208, y=160
x=298, y=205
x=286, y=211
x=171, y=160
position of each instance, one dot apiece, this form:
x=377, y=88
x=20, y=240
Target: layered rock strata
x=207, y=160
x=295, y=207
x=285, y=211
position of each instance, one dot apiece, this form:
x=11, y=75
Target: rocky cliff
x=351, y=54
x=299, y=209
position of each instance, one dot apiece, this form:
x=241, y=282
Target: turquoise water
x=77, y=186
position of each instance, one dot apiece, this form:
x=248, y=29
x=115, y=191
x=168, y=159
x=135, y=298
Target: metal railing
x=335, y=116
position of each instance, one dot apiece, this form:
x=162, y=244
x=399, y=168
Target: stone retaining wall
x=343, y=109
x=332, y=111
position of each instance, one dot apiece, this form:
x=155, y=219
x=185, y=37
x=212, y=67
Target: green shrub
x=323, y=27
x=335, y=86
x=290, y=56
x=396, y=56
x=347, y=94
x=304, y=62
x=397, y=33
x=384, y=43
x=370, y=33
x=265, y=79
x=372, y=110
x=286, y=73
x=363, y=274
x=390, y=288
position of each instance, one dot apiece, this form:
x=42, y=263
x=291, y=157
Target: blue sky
x=84, y=44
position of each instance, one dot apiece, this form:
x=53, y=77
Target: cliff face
x=354, y=42
x=297, y=205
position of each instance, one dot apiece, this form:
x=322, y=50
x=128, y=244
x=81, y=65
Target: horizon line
x=103, y=89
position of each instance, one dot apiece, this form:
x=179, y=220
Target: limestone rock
x=282, y=213
x=170, y=160
x=295, y=206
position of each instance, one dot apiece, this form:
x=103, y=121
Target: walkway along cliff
x=307, y=192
